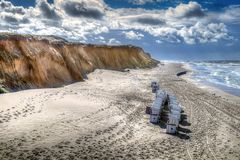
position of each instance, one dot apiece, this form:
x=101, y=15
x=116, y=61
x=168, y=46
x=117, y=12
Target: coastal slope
x=36, y=61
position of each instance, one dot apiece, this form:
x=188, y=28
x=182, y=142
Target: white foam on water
x=222, y=74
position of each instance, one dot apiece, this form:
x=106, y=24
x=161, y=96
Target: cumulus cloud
x=159, y=41
x=133, y=35
x=199, y=33
x=11, y=15
x=83, y=8
x=13, y=19
x=47, y=11
x=142, y=2
x=202, y=33
x=192, y=9
x=231, y=14
x=113, y=41
x=77, y=20
x=6, y=6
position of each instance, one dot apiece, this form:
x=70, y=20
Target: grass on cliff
x=3, y=90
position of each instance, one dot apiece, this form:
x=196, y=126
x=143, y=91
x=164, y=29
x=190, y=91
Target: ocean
x=224, y=75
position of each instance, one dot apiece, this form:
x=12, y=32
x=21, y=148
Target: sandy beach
x=104, y=118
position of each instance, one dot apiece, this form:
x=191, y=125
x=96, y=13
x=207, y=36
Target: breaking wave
x=222, y=74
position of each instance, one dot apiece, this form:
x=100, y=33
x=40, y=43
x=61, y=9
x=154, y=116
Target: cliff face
x=37, y=62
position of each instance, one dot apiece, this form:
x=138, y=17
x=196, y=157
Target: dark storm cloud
x=5, y=4
x=13, y=19
x=10, y=19
x=47, y=10
x=150, y=21
x=80, y=9
x=194, y=13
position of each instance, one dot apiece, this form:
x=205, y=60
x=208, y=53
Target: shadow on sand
x=185, y=123
x=182, y=133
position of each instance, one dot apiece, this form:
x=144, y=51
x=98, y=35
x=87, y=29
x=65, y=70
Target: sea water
x=224, y=75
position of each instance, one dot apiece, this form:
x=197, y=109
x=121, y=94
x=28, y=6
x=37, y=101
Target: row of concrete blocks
x=174, y=116
x=175, y=109
x=155, y=87
x=157, y=106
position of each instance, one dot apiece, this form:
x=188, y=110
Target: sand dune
x=104, y=118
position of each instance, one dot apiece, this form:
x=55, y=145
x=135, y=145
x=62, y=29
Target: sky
x=167, y=29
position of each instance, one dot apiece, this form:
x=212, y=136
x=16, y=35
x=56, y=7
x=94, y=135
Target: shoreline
x=218, y=91
x=211, y=87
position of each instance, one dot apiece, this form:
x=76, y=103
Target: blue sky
x=167, y=29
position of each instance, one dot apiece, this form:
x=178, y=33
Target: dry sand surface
x=104, y=118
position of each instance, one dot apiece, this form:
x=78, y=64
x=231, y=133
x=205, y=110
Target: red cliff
x=37, y=62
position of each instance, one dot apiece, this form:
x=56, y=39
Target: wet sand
x=104, y=118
